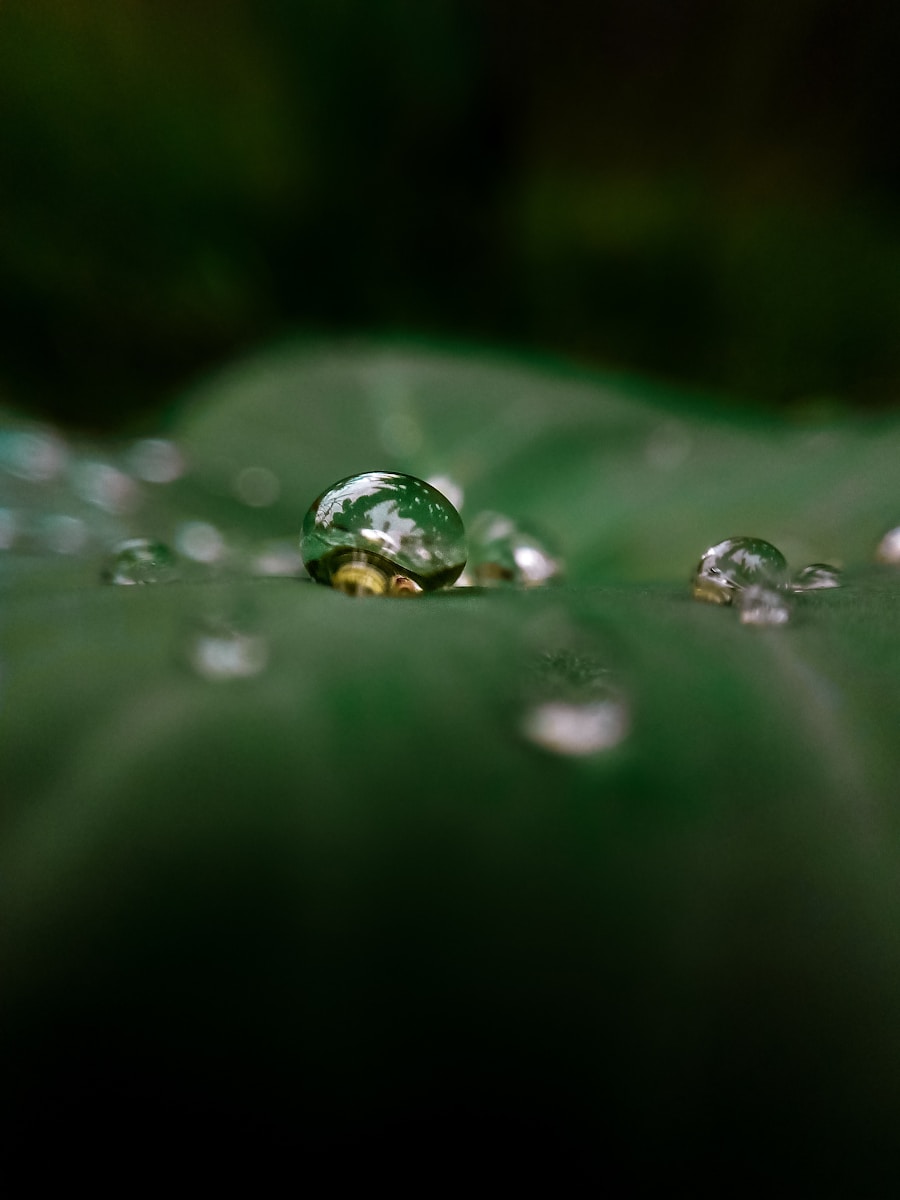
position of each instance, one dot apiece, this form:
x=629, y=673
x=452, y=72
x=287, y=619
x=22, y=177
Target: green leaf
x=348, y=889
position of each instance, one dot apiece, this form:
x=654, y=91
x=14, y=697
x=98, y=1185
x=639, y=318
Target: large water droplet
x=140, y=560
x=377, y=533
x=888, y=550
x=763, y=606
x=502, y=551
x=815, y=577
x=574, y=706
x=220, y=652
x=736, y=563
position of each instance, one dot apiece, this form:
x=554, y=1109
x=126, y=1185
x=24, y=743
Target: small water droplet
x=140, y=560
x=763, y=606
x=815, y=577
x=257, y=486
x=574, y=706
x=62, y=534
x=888, y=550
x=156, y=460
x=502, y=551
x=220, y=652
x=104, y=486
x=200, y=541
x=36, y=456
x=736, y=563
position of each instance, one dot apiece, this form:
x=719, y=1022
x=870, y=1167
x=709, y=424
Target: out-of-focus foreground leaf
x=345, y=898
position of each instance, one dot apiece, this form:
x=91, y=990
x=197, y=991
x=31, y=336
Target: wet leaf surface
x=344, y=889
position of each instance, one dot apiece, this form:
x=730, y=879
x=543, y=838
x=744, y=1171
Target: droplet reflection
x=574, y=706
x=220, y=652
x=577, y=729
x=763, y=606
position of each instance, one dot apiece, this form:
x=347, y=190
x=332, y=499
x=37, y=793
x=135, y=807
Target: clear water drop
x=139, y=561
x=574, y=705
x=156, y=460
x=815, y=577
x=577, y=730
x=221, y=652
x=257, y=487
x=888, y=550
x=763, y=606
x=378, y=533
x=737, y=563
x=200, y=542
x=503, y=552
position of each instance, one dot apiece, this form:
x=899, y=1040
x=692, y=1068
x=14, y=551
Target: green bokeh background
x=704, y=192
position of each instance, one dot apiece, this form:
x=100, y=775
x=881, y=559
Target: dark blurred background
x=705, y=192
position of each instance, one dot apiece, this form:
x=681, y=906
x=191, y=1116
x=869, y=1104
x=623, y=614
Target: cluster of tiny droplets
x=752, y=575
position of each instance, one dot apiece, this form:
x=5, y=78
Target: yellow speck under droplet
x=400, y=585
x=359, y=579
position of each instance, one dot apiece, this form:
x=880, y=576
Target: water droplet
x=257, y=486
x=888, y=550
x=104, y=486
x=199, y=541
x=220, y=652
x=140, y=560
x=574, y=707
x=815, y=577
x=734, y=564
x=62, y=534
x=761, y=605
x=36, y=456
x=156, y=460
x=276, y=558
x=369, y=531
x=9, y=526
x=503, y=552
